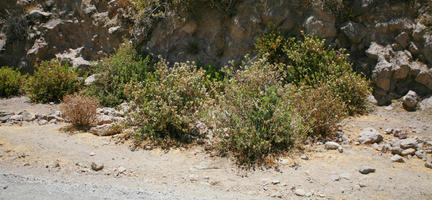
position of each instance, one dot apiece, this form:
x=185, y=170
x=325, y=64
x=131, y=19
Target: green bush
x=51, y=81
x=309, y=62
x=10, y=82
x=115, y=72
x=255, y=118
x=168, y=104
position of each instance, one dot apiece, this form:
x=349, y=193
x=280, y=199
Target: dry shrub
x=80, y=110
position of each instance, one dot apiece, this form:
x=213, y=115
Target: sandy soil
x=43, y=162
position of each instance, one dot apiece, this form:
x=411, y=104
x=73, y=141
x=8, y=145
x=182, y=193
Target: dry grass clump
x=80, y=110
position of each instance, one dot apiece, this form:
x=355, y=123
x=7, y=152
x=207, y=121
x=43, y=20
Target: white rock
x=397, y=158
x=369, y=136
x=332, y=145
x=410, y=100
x=300, y=192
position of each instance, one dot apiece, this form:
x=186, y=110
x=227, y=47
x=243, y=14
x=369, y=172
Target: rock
x=37, y=15
x=427, y=49
x=91, y=79
x=124, y=107
x=102, y=130
x=92, y=154
x=400, y=134
x=300, y=192
x=4, y=118
x=275, y=182
x=413, y=48
x=121, y=170
x=200, y=129
x=96, y=167
x=26, y=116
x=410, y=100
x=17, y=118
x=73, y=56
x=382, y=75
x=104, y=119
x=426, y=103
x=322, y=28
x=340, y=149
x=369, y=136
x=332, y=145
x=408, y=143
x=428, y=165
x=375, y=51
x=42, y=122
x=403, y=39
x=427, y=146
x=409, y=151
x=397, y=158
x=418, y=32
x=421, y=155
x=396, y=150
x=335, y=177
x=304, y=157
x=114, y=29
x=425, y=78
x=354, y=31
x=366, y=170
x=389, y=131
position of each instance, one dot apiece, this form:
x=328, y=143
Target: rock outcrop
x=73, y=31
x=390, y=42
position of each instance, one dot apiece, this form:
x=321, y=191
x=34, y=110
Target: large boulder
x=382, y=75
x=425, y=78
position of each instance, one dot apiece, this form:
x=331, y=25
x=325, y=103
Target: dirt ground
x=43, y=162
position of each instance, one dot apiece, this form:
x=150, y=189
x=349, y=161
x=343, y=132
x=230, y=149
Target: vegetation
x=80, y=110
x=255, y=117
x=51, y=81
x=115, y=72
x=309, y=62
x=10, y=82
x=167, y=105
x=296, y=89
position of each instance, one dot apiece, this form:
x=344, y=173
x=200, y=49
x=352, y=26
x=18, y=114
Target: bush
x=319, y=108
x=80, y=110
x=167, y=105
x=309, y=62
x=10, y=82
x=115, y=72
x=256, y=118
x=51, y=81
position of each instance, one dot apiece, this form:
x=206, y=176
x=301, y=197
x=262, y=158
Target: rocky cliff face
x=389, y=40
x=78, y=30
